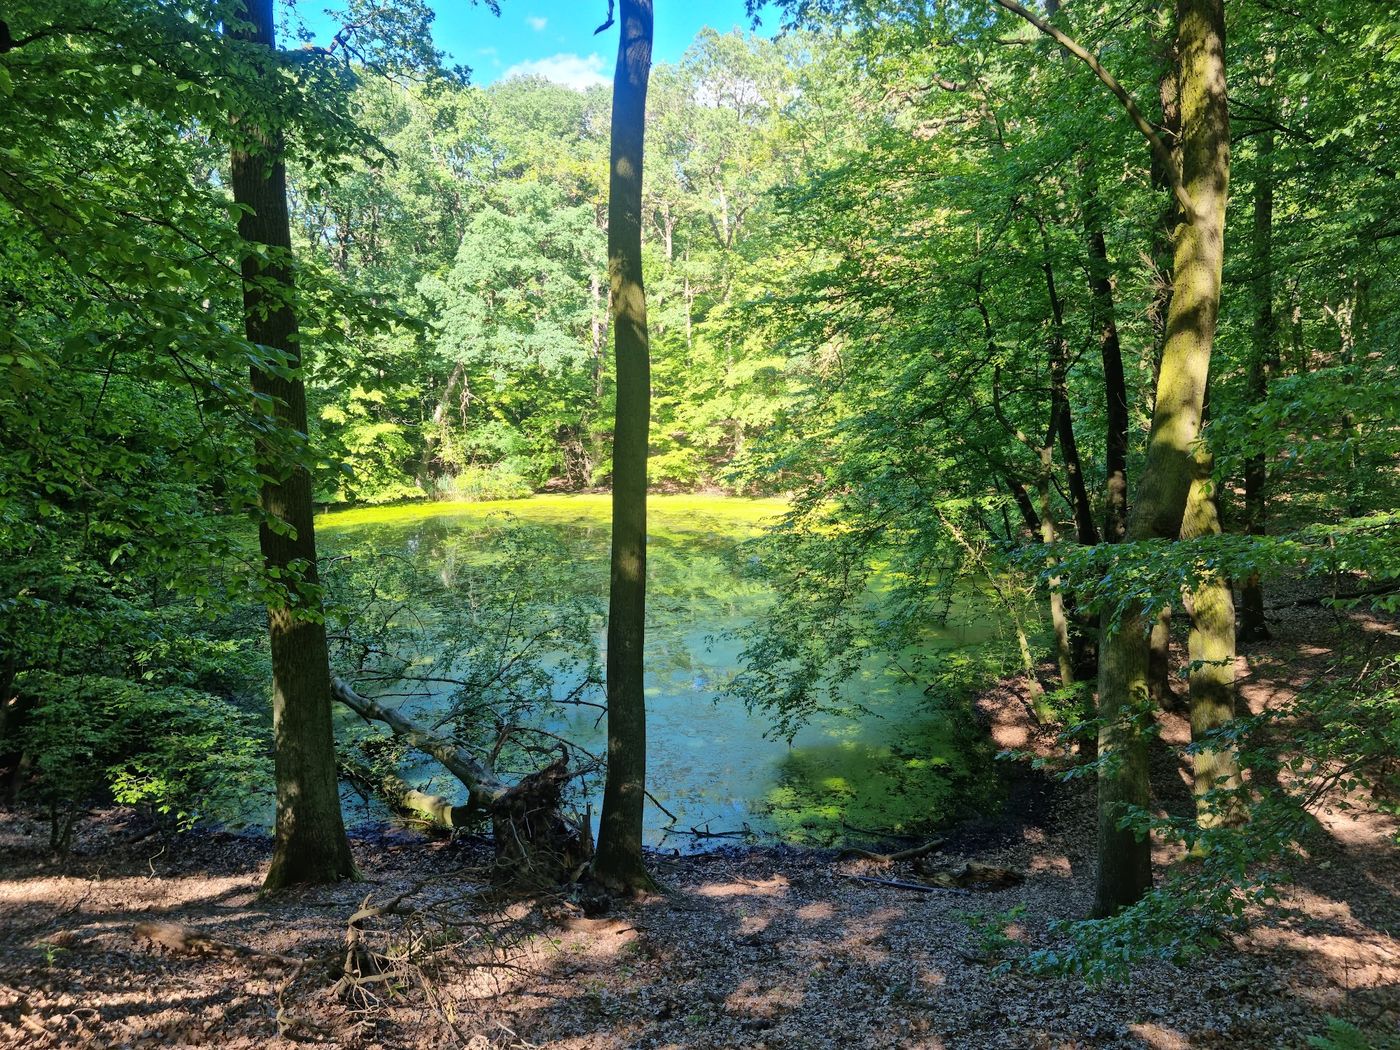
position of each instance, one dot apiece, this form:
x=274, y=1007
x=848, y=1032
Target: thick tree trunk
x=1159, y=665
x=311, y=843
x=1169, y=104
x=1253, y=627
x=1211, y=651
x=619, y=862
x=1125, y=854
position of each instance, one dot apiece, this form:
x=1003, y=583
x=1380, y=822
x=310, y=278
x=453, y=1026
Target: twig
x=893, y=858
x=918, y=887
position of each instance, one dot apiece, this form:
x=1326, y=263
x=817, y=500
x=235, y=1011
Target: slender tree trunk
x=1081, y=645
x=1253, y=627
x=1059, y=395
x=619, y=861
x=1351, y=323
x=311, y=844
x=1111, y=352
x=1115, y=385
x=1125, y=854
x=1059, y=622
x=1211, y=651
x=1159, y=663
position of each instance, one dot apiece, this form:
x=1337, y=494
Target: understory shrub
x=182, y=754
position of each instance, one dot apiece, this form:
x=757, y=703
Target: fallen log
x=433, y=810
x=536, y=844
x=481, y=783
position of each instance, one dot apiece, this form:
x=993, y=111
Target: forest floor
x=765, y=947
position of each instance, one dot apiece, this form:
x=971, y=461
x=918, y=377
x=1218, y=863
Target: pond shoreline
x=750, y=945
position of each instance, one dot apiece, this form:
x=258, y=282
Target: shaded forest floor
x=757, y=948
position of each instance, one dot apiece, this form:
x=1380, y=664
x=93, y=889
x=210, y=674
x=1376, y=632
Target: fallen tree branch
x=536, y=844
x=481, y=783
x=918, y=887
x=892, y=858
x=1379, y=590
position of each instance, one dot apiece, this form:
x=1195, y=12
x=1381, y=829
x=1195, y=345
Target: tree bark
x=1169, y=104
x=1059, y=397
x=619, y=864
x=1211, y=651
x=1253, y=625
x=1115, y=385
x=1125, y=854
x=311, y=846
x=1059, y=621
x=1159, y=663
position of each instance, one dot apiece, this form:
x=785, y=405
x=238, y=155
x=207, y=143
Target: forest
x=876, y=526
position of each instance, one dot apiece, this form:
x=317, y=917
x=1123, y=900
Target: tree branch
x=1164, y=155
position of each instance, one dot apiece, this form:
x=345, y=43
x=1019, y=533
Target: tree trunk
x=1211, y=651
x=1169, y=102
x=1059, y=622
x=1115, y=385
x=311, y=844
x=619, y=863
x=1159, y=663
x=1081, y=648
x=1125, y=854
x=1253, y=627
x=1059, y=396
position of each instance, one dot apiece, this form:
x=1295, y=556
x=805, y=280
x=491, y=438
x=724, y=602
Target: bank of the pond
x=758, y=947
x=903, y=757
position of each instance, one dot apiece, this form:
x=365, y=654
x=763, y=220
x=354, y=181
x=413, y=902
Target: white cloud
x=537, y=23
x=574, y=71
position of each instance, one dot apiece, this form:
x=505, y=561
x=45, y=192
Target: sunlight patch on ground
x=1158, y=1037
x=777, y=886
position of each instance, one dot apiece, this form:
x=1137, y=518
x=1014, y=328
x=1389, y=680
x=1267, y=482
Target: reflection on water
x=901, y=767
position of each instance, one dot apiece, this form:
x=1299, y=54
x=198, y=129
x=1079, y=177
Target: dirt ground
x=768, y=947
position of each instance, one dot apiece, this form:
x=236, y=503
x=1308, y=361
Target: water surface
x=904, y=767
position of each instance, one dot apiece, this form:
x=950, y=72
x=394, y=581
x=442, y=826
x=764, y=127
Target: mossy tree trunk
x=619, y=864
x=1158, y=510
x=311, y=846
x=1211, y=655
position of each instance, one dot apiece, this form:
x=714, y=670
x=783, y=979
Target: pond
x=905, y=766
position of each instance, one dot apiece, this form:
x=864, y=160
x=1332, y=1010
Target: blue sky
x=554, y=38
